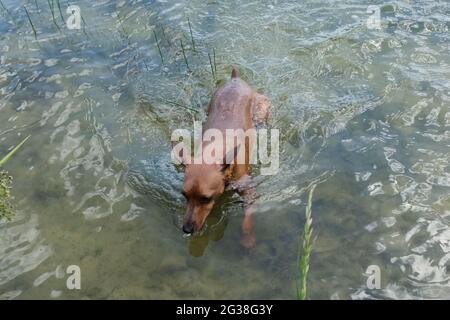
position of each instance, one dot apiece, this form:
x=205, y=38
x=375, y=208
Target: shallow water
x=363, y=114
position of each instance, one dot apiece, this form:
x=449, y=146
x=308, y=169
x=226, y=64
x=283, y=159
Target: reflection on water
x=362, y=113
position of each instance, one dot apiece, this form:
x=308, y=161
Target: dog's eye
x=205, y=199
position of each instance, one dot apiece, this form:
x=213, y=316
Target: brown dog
x=236, y=106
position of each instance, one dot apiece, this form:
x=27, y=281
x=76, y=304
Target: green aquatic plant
x=60, y=11
x=214, y=56
x=84, y=24
x=159, y=48
x=31, y=22
x=13, y=151
x=8, y=12
x=3, y=6
x=308, y=242
x=6, y=208
x=184, y=55
x=51, y=6
x=52, y=10
x=192, y=36
x=212, y=67
x=180, y=105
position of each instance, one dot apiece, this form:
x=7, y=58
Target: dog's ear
x=229, y=157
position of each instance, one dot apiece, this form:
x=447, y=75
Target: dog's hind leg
x=260, y=109
x=248, y=239
x=246, y=189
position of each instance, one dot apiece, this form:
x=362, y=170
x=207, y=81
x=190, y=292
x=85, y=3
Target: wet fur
x=235, y=105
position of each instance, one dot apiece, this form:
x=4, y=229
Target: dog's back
x=234, y=106
x=231, y=105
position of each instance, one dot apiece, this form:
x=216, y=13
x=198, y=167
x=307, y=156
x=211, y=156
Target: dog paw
x=248, y=241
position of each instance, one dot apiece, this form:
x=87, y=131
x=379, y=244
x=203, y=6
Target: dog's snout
x=188, y=228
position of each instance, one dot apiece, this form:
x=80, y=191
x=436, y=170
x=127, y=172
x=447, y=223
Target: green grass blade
x=184, y=55
x=12, y=152
x=159, y=48
x=31, y=22
x=3, y=6
x=212, y=67
x=192, y=36
x=60, y=11
x=308, y=242
x=215, y=65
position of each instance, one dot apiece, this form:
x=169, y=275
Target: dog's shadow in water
x=216, y=224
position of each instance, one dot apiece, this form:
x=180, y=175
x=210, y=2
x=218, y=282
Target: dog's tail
x=234, y=73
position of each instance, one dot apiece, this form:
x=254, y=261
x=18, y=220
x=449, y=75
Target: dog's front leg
x=248, y=239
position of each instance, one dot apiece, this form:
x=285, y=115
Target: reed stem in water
x=214, y=56
x=32, y=25
x=60, y=11
x=212, y=67
x=4, y=8
x=192, y=37
x=51, y=6
x=184, y=55
x=159, y=48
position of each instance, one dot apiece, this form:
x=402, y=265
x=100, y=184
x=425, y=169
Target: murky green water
x=363, y=113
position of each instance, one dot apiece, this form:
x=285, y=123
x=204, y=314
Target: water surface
x=363, y=114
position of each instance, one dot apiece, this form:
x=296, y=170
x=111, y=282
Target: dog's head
x=203, y=184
